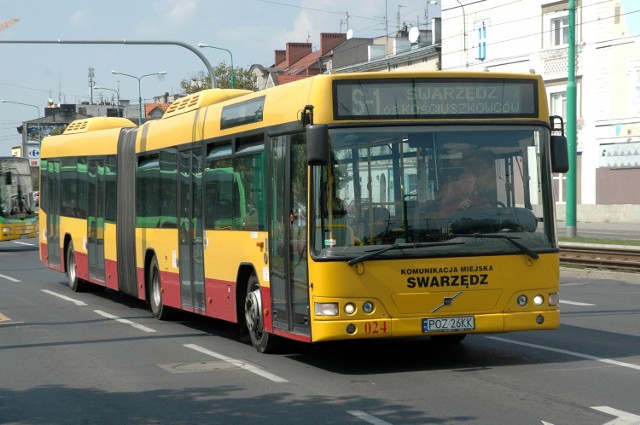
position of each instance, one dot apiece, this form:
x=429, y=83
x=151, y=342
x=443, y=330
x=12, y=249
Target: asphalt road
x=100, y=358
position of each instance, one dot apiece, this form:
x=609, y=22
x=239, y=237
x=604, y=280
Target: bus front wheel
x=159, y=311
x=75, y=283
x=262, y=340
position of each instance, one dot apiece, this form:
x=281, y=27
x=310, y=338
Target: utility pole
x=571, y=201
x=398, y=24
x=91, y=83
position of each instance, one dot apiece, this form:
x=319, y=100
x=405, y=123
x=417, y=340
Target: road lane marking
x=239, y=363
x=124, y=321
x=4, y=318
x=568, y=353
x=9, y=278
x=576, y=303
x=64, y=297
x=25, y=243
x=622, y=416
x=367, y=417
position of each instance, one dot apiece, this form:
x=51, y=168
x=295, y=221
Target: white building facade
x=532, y=36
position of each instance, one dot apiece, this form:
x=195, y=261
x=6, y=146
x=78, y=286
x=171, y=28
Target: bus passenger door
x=190, y=231
x=288, y=234
x=95, y=219
x=53, y=213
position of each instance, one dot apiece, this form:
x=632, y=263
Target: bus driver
x=467, y=189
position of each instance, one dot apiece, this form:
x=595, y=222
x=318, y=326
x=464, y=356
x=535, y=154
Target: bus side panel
x=140, y=284
x=42, y=239
x=44, y=253
x=110, y=257
x=170, y=289
x=44, y=247
x=289, y=335
x=265, y=293
x=225, y=252
x=44, y=257
x=163, y=245
x=82, y=265
x=76, y=230
x=221, y=300
x=111, y=274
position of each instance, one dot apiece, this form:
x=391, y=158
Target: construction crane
x=6, y=24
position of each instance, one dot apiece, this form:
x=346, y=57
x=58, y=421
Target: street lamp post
x=117, y=96
x=39, y=129
x=464, y=33
x=233, y=77
x=139, y=87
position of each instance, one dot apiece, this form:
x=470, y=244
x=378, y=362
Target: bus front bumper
x=333, y=330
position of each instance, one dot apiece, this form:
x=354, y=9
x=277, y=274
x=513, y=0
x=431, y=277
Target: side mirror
x=559, y=154
x=7, y=178
x=317, y=144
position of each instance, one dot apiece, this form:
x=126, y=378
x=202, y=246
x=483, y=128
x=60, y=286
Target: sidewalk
x=571, y=273
x=623, y=231
x=626, y=231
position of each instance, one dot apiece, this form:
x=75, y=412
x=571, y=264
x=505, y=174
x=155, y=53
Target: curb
x=633, y=278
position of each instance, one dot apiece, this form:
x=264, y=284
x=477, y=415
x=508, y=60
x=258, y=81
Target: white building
x=521, y=36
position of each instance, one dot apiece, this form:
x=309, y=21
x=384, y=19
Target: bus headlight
x=367, y=307
x=325, y=309
x=538, y=300
x=349, y=308
x=6, y=230
x=554, y=299
x=522, y=300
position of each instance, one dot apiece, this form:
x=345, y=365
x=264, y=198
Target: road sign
x=33, y=153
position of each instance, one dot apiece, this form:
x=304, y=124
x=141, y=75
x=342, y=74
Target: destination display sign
x=434, y=98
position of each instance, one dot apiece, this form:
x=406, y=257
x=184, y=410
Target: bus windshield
x=16, y=191
x=414, y=188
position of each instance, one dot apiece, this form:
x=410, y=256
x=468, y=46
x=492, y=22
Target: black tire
x=263, y=341
x=160, y=311
x=448, y=339
x=75, y=284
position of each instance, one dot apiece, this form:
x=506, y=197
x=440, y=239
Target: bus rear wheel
x=262, y=340
x=75, y=283
x=159, y=311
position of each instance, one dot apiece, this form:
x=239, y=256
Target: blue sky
x=632, y=13
x=250, y=29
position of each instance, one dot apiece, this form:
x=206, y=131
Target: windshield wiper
x=375, y=253
x=524, y=249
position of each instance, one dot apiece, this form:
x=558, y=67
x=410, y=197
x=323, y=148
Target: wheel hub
x=252, y=309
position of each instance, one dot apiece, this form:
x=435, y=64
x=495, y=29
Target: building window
x=560, y=31
x=482, y=42
x=478, y=37
x=558, y=104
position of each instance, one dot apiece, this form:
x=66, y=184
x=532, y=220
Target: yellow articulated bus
x=344, y=206
x=18, y=216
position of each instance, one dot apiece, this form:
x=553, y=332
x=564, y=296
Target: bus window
x=225, y=198
x=251, y=171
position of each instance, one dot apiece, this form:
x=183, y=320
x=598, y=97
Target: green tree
x=201, y=81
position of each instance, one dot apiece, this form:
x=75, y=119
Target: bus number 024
x=375, y=328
